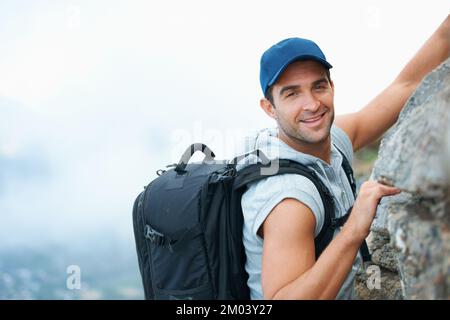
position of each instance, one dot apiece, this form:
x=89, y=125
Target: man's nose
x=311, y=103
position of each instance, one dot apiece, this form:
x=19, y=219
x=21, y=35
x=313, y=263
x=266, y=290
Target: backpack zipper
x=141, y=204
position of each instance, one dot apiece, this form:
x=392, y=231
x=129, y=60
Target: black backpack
x=188, y=225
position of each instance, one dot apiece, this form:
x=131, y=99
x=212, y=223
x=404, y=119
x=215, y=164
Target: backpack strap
x=252, y=173
x=364, y=249
x=348, y=172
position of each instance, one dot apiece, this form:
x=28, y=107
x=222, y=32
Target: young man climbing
x=284, y=213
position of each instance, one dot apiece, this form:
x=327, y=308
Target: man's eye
x=291, y=94
x=320, y=87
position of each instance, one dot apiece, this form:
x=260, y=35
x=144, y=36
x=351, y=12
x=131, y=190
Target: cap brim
x=297, y=58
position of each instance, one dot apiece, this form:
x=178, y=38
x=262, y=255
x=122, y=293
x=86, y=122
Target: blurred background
x=96, y=96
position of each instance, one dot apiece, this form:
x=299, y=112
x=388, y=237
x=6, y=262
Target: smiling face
x=302, y=103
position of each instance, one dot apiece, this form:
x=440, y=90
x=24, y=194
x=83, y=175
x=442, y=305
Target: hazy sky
x=95, y=96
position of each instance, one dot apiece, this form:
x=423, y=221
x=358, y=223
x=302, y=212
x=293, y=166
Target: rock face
x=410, y=238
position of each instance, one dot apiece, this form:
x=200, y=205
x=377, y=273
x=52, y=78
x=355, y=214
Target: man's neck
x=321, y=150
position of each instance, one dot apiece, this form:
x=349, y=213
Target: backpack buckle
x=154, y=236
x=336, y=223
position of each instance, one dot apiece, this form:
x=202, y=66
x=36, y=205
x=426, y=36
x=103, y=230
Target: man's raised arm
x=371, y=122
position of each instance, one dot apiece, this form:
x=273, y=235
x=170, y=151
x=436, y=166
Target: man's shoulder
x=262, y=196
x=282, y=184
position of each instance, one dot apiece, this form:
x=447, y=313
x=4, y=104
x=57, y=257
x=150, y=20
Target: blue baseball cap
x=276, y=59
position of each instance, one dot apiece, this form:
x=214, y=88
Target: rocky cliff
x=410, y=238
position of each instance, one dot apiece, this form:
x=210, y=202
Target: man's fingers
x=378, y=190
x=386, y=190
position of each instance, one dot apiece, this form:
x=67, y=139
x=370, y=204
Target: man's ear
x=268, y=108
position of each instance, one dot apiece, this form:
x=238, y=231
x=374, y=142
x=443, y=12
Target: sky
x=95, y=96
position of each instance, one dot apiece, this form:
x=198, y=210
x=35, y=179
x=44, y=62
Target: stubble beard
x=300, y=136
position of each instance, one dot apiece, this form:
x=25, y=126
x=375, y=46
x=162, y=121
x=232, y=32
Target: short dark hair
x=269, y=94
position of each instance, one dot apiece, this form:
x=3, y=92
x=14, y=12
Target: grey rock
x=417, y=144
x=383, y=254
x=388, y=205
x=411, y=232
x=390, y=286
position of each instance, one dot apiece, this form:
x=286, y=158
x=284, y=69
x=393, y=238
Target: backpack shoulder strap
x=253, y=173
x=365, y=253
x=348, y=171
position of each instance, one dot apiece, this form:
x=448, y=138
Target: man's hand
x=370, y=123
x=365, y=207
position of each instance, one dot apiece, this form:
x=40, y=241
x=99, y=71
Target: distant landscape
x=109, y=270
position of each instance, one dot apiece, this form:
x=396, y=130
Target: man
x=283, y=213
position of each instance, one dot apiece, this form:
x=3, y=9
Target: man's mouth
x=313, y=121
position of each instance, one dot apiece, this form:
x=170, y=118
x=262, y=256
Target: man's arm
x=371, y=122
x=289, y=267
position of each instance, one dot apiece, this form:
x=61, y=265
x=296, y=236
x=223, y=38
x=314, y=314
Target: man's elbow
x=290, y=292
